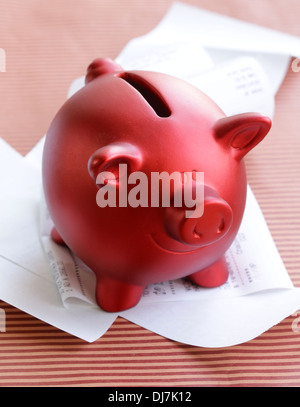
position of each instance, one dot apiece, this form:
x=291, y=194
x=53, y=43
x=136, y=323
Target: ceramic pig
x=146, y=123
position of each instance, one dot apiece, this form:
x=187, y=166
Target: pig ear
x=100, y=67
x=242, y=132
x=107, y=160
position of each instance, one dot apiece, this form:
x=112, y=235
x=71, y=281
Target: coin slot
x=149, y=93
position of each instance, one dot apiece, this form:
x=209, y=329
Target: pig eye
x=149, y=93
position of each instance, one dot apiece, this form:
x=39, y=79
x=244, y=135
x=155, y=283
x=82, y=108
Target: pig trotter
x=115, y=296
x=213, y=276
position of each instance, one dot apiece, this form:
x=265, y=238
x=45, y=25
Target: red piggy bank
x=109, y=154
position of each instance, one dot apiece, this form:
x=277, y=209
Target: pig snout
x=211, y=226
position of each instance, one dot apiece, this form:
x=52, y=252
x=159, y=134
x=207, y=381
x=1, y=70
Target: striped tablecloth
x=47, y=45
x=33, y=353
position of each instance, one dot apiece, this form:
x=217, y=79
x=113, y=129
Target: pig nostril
x=221, y=227
x=196, y=234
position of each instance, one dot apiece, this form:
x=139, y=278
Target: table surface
x=47, y=45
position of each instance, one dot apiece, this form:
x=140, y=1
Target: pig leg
x=56, y=237
x=114, y=296
x=212, y=276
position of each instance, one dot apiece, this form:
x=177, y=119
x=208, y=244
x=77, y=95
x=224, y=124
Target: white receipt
x=180, y=59
x=238, y=86
x=74, y=280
